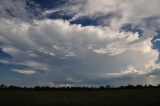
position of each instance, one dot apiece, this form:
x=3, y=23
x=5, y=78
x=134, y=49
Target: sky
x=79, y=42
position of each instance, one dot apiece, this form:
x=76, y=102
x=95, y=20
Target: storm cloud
x=58, y=51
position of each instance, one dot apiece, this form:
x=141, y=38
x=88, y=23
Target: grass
x=123, y=97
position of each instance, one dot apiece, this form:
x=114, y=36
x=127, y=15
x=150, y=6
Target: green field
x=123, y=97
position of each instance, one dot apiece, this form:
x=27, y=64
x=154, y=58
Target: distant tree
x=102, y=87
x=2, y=86
x=150, y=86
x=121, y=87
x=145, y=86
x=107, y=87
x=139, y=86
x=129, y=86
x=37, y=88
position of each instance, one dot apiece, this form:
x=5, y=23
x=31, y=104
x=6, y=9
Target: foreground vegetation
x=90, y=97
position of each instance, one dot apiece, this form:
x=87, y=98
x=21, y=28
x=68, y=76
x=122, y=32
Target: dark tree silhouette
x=129, y=86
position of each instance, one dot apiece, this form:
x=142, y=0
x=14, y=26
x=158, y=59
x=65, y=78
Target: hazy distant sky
x=79, y=42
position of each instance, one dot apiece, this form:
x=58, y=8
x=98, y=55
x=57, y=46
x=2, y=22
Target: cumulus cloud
x=70, y=51
x=70, y=54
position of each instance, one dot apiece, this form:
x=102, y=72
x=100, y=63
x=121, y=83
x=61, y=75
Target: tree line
x=129, y=86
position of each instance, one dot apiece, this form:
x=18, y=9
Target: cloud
x=4, y=55
x=135, y=76
x=14, y=9
x=67, y=53
x=116, y=13
x=51, y=84
x=64, y=50
x=157, y=40
x=19, y=9
x=25, y=72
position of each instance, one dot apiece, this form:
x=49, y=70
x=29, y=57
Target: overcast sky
x=79, y=42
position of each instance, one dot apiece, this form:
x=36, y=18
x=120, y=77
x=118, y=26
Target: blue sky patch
x=4, y=55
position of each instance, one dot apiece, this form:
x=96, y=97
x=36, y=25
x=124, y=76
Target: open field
x=119, y=97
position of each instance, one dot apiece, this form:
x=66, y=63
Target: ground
x=118, y=97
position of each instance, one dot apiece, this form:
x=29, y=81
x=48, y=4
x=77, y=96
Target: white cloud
x=120, y=47
x=65, y=50
x=52, y=84
x=157, y=40
x=26, y=72
x=47, y=12
x=130, y=71
x=73, y=80
x=73, y=41
x=136, y=75
x=17, y=9
x=120, y=12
